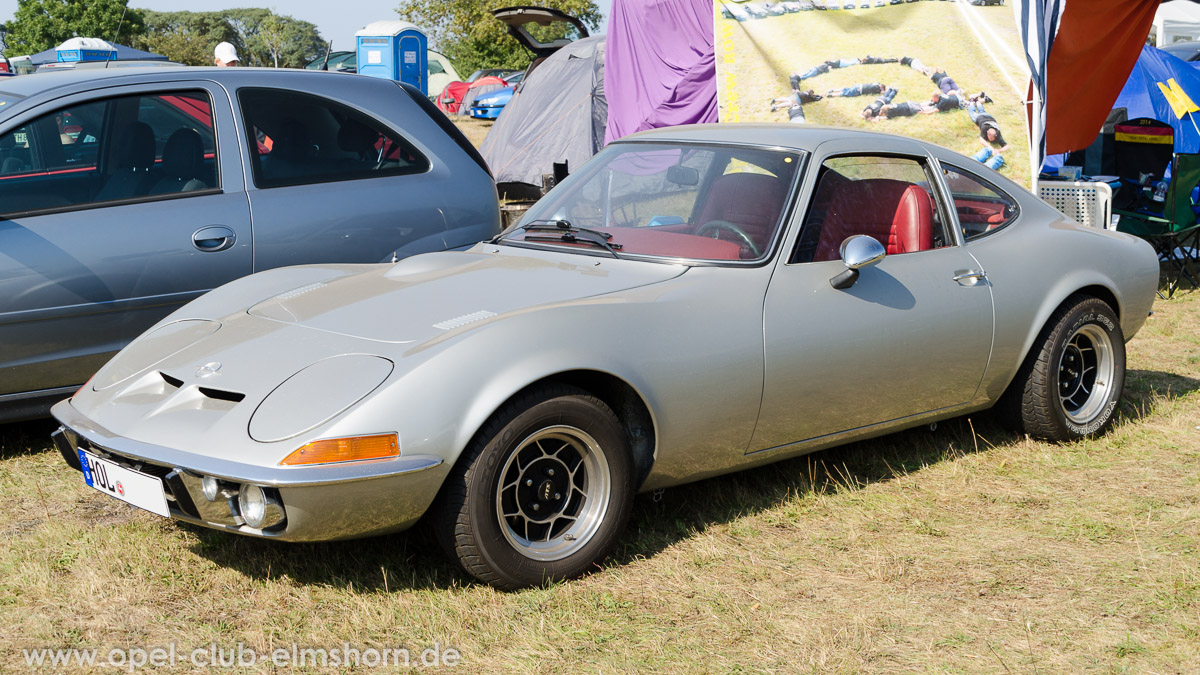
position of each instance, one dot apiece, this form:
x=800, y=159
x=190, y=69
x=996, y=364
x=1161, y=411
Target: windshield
x=715, y=203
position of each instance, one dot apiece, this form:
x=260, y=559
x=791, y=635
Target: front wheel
x=1072, y=379
x=543, y=491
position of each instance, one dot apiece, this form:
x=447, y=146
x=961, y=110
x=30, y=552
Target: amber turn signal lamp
x=351, y=449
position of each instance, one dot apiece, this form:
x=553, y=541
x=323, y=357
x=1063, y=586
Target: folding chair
x=1174, y=233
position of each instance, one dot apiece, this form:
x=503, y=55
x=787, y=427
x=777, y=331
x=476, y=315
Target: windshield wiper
x=568, y=233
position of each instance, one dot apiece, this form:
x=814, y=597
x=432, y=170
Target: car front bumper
x=320, y=503
x=486, y=113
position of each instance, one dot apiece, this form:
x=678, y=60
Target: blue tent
x=123, y=53
x=1141, y=96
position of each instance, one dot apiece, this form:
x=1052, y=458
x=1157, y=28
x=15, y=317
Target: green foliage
x=41, y=24
x=187, y=37
x=466, y=31
x=261, y=37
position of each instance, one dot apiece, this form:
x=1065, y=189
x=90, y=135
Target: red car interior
x=896, y=213
x=752, y=201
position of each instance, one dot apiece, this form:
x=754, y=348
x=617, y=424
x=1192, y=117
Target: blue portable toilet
x=395, y=50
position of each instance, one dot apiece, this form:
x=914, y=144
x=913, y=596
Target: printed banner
x=950, y=72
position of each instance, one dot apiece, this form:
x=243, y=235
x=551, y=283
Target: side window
x=885, y=197
x=982, y=208
x=114, y=149
x=298, y=138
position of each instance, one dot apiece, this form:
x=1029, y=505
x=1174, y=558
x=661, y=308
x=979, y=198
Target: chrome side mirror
x=857, y=252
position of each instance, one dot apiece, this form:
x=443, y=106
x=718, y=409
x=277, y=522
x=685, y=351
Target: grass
x=755, y=58
x=475, y=130
x=963, y=549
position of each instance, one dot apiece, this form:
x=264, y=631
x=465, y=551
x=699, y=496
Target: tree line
x=463, y=30
x=262, y=37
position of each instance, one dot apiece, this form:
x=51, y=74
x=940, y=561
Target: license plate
x=133, y=487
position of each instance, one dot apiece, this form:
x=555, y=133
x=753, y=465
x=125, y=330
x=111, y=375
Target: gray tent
x=558, y=114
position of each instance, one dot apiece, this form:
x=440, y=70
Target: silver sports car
x=693, y=301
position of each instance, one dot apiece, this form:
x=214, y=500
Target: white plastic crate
x=1086, y=203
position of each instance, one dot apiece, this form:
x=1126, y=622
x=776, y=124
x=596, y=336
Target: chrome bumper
x=321, y=503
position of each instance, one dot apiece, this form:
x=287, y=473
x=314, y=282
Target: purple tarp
x=660, y=68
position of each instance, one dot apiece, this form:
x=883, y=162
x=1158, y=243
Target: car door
x=332, y=183
x=116, y=207
x=911, y=335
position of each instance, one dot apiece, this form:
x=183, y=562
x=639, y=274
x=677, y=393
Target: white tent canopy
x=1176, y=21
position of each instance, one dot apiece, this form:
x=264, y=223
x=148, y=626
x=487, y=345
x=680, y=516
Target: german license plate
x=133, y=487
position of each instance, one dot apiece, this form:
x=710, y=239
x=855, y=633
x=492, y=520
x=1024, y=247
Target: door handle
x=969, y=277
x=213, y=238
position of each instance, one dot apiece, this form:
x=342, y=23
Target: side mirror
x=683, y=175
x=857, y=252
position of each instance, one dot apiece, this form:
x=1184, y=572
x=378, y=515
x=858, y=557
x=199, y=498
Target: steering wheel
x=716, y=225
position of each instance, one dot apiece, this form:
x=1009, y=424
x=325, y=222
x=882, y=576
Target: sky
x=335, y=20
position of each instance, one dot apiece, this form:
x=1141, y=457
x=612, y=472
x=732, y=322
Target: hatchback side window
x=885, y=197
x=52, y=162
x=114, y=149
x=297, y=139
x=982, y=208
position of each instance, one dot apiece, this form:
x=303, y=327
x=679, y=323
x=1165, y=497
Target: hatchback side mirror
x=857, y=252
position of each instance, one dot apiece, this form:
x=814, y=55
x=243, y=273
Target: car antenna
x=116, y=34
x=328, y=48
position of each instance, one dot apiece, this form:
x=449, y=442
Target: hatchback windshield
x=718, y=203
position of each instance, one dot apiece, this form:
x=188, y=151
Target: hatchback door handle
x=213, y=238
x=969, y=277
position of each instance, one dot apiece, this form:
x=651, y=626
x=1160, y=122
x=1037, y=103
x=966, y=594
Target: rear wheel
x=543, y=491
x=1072, y=379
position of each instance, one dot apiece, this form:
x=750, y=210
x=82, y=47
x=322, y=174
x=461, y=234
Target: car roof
x=25, y=86
x=792, y=136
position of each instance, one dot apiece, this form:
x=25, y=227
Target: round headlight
x=209, y=486
x=252, y=502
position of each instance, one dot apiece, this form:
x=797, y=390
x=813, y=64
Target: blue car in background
x=490, y=105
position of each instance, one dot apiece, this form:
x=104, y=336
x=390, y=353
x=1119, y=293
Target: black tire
x=1071, y=381
x=492, y=531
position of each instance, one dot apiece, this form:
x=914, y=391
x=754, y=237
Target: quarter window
x=888, y=198
x=298, y=139
x=982, y=208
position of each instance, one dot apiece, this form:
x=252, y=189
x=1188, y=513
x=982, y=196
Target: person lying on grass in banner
x=944, y=82
x=906, y=109
x=869, y=60
x=795, y=109
x=915, y=63
x=864, y=89
x=941, y=102
x=796, y=97
x=873, y=109
x=989, y=134
x=821, y=69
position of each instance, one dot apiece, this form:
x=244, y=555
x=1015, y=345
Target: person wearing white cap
x=225, y=55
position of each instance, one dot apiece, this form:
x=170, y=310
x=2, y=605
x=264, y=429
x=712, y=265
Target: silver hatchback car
x=125, y=193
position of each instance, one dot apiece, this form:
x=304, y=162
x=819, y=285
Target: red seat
x=898, y=214
x=752, y=201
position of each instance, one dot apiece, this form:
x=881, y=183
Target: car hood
x=426, y=296
x=213, y=376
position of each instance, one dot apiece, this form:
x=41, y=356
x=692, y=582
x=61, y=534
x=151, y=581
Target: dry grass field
x=475, y=130
x=958, y=550
x=963, y=549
